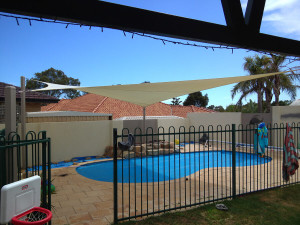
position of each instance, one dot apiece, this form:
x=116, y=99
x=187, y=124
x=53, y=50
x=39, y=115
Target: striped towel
x=290, y=157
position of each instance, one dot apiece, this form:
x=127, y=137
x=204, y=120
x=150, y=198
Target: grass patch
x=277, y=206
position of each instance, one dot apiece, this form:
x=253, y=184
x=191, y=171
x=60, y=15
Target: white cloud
x=272, y=4
x=284, y=16
x=281, y=17
x=278, y=4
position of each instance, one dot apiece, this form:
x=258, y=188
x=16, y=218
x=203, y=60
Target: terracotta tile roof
x=100, y=104
x=182, y=111
x=56, y=106
x=30, y=95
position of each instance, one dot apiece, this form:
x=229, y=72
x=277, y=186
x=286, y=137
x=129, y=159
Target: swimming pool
x=166, y=167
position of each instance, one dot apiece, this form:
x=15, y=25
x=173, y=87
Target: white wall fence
x=90, y=138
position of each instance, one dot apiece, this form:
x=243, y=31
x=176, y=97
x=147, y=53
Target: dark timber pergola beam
x=254, y=14
x=233, y=14
x=104, y=14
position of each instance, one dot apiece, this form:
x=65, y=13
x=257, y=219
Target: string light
x=164, y=41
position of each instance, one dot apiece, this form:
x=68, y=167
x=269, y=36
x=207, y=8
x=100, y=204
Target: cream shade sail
x=146, y=94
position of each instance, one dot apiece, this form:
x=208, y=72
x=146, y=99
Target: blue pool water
x=66, y=164
x=166, y=167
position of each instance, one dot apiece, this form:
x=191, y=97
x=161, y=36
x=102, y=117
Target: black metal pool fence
x=164, y=171
x=21, y=159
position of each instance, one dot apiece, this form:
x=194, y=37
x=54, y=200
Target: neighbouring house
x=34, y=100
x=120, y=109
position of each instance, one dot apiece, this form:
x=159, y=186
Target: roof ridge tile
x=97, y=107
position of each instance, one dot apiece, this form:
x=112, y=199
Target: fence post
x=3, y=171
x=49, y=174
x=44, y=175
x=10, y=128
x=115, y=142
x=233, y=161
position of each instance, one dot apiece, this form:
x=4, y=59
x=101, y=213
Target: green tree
x=276, y=62
x=216, y=108
x=254, y=65
x=219, y=108
x=280, y=83
x=212, y=107
x=232, y=108
x=196, y=99
x=282, y=103
x=176, y=101
x=54, y=76
x=268, y=87
x=250, y=107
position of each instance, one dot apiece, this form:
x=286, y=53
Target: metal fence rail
x=21, y=159
x=173, y=169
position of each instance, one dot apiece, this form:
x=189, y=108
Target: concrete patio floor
x=79, y=200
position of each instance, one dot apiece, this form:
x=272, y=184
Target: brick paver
x=79, y=200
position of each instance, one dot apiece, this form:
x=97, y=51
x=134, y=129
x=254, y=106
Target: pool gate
x=21, y=159
x=173, y=169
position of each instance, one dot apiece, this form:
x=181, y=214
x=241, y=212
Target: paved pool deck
x=79, y=200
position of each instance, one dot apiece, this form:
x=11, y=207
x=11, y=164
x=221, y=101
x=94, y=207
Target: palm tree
x=273, y=85
x=254, y=65
x=283, y=82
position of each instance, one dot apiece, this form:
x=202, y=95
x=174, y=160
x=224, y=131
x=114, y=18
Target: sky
x=107, y=58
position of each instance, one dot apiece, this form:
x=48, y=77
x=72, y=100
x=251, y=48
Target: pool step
x=128, y=155
x=151, y=152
